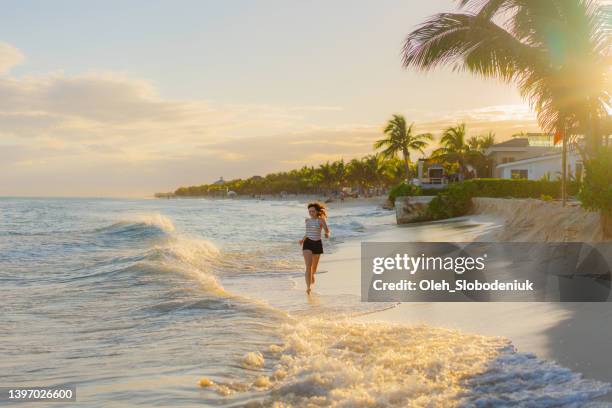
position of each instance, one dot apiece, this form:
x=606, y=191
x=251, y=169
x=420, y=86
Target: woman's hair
x=320, y=207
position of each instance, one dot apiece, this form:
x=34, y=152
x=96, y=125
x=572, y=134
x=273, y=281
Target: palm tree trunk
x=407, y=167
x=564, y=170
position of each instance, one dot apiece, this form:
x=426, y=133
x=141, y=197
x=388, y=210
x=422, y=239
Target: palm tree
x=379, y=169
x=325, y=176
x=456, y=150
x=401, y=140
x=338, y=172
x=358, y=174
x=398, y=171
x=331, y=175
x=482, y=142
x=556, y=51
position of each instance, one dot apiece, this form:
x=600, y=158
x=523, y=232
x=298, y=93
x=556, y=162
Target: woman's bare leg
x=308, y=274
x=313, y=268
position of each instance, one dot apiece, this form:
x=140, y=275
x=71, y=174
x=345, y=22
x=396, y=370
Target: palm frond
x=472, y=43
x=556, y=51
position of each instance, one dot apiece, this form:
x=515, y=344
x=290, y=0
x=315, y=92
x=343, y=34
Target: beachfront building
x=218, y=188
x=547, y=165
x=520, y=147
x=430, y=175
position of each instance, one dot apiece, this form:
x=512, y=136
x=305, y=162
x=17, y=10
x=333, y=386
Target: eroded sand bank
x=528, y=220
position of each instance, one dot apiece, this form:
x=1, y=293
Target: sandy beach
x=186, y=190
x=575, y=335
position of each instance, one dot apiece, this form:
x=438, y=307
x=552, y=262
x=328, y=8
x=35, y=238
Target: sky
x=120, y=98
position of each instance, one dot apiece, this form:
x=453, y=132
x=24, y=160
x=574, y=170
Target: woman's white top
x=313, y=229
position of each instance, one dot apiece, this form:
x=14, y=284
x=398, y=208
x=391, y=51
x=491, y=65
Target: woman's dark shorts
x=315, y=246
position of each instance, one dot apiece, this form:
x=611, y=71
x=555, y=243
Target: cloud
x=104, y=108
x=102, y=133
x=55, y=129
x=9, y=57
x=92, y=99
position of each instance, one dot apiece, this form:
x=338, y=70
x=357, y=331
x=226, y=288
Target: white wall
x=537, y=169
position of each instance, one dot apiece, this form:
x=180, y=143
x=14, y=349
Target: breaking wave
x=140, y=225
x=160, y=250
x=351, y=364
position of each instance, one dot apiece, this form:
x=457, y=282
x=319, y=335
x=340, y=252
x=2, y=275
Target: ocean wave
x=191, y=257
x=549, y=385
x=153, y=247
x=374, y=212
x=351, y=364
x=140, y=226
x=162, y=251
x=348, y=228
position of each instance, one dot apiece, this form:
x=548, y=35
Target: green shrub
x=456, y=200
x=431, y=191
x=403, y=189
x=596, y=191
x=546, y=197
x=452, y=202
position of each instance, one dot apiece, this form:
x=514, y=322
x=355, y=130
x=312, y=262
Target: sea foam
x=351, y=364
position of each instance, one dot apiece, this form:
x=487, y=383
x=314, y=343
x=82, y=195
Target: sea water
x=197, y=302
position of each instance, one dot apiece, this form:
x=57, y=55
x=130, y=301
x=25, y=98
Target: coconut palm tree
x=339, y=172
x=326, y=176
x=358, y=174
x=379, y=169
x=481, y=142
x=456, y=150
x=556, y=51
x=401, y=140
x=398, y=170
x=331, y=175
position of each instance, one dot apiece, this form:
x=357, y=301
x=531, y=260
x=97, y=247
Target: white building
x=518, y=148
x=534, y=168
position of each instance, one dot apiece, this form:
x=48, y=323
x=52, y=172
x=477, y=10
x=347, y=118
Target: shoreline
x=301, y=198
x=574, y=335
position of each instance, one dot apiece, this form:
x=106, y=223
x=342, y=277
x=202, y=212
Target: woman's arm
x=326, y=228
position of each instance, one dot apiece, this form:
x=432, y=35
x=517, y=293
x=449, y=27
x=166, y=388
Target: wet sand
x=575, y=335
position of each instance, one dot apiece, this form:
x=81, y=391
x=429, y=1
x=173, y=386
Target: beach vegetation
x=461, y=155
x=456, y=200
x=403, y=190
x=556, y=52
x=400, y=140
x=546, y=197
x=373, y=172
x=596, y=190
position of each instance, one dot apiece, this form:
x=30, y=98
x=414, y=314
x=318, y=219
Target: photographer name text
x=430, y=285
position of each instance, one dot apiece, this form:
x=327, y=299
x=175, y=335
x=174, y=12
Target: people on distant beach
x=312, y=245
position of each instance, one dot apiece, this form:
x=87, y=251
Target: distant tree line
x=379, y=171
x=364, y=174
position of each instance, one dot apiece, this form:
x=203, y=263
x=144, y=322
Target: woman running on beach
x=312, y=246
